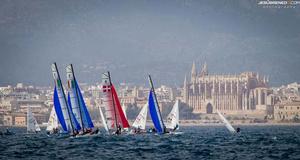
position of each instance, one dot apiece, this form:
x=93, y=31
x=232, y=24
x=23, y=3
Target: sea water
x=206, y=142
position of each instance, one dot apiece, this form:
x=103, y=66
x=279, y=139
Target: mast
x=80, y=112
x=69, y=114
x=113, y=101
x=152, y=88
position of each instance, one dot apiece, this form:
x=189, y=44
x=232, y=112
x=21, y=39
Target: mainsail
x=53, y=121
x=32, y=125
x=113, y=111
x=141, y=119
x=154, y=110
x=62, y=108
x=76, y=100
x=227, y=124
x=173, y=117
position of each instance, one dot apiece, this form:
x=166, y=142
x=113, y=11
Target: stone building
x=245, y=93
x=287, y=111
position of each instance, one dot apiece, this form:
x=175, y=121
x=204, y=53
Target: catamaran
x=155, y=111
x=173, y=118
x=32, y=125
x=114, y=119
x=52, y=125
x=77, y=104
x=227, y=124
x=139, y=125
x=63, y=111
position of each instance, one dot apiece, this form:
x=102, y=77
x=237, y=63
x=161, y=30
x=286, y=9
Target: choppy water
x=255, y=142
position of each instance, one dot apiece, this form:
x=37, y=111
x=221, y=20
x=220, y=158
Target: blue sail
x=155, y=114
x=73, y=118
x=58, y=111
x=87, y=121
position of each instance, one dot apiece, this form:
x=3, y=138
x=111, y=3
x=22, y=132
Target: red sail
x=119, y=111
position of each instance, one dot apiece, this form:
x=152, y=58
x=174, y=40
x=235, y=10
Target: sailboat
x=173, y=117
x=52, y=125
x=76, y=102
x=227, y=124
x=141, y=119
x=114, y=116
x=32, y=125
x=63, y=111
x=155, y=111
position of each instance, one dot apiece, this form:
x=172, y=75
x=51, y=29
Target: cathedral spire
x=204, y=71
x=185, y=82
x=193, y=72
x=185, y=90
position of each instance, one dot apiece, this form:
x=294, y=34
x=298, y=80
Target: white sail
x=73, y=95
x=103, y=120
x=227, y=124
x=173, y=117
x=53, y=121
x=32, y=125
x=124, y=110
x=141, y=119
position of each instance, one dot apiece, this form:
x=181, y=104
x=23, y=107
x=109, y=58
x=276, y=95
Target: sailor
x=55, y=130
x=238, y=130
x=175, y=127
x=88, y=130
x=118, y=131
x=138, y=130
x=8, y=132
x=96, y=131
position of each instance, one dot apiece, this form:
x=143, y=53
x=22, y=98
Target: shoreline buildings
x=243, y=96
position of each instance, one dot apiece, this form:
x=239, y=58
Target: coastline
x=195, y=123
x=240, y=124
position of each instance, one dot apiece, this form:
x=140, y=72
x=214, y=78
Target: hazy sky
x=136, y=37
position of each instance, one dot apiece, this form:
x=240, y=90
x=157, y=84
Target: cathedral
x=245, y=93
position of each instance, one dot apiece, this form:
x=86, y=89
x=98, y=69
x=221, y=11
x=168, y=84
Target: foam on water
x=255, y=142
